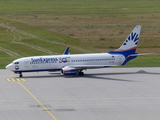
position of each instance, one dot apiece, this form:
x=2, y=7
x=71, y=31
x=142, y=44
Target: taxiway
x=101, y=94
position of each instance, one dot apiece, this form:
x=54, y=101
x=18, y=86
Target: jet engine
x=68, y=71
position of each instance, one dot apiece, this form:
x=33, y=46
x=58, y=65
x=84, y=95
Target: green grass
x=144, y=61
x=3, y=54
x=86, y=26
x=5, y=59
x=78, y=7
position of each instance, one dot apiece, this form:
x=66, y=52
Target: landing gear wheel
x=20, y=75
x=80, y=73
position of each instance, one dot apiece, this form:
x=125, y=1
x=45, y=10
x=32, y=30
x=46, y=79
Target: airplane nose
x=9, y=67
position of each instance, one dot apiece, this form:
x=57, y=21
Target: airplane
x=75, y=63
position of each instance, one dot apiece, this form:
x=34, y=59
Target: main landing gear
x=80, y=73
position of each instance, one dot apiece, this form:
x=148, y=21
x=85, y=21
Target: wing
x=74, y=69
x=89, y=66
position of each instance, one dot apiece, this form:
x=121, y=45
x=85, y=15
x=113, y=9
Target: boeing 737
x=75, y=64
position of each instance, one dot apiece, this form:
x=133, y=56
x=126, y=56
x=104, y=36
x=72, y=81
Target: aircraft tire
x=80, y=73
x=20, y=75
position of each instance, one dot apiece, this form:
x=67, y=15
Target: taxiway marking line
x=37, y=100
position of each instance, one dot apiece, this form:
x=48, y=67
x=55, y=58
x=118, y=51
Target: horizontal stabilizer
x=140, y=54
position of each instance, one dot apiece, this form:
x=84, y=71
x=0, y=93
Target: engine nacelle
x=69, y=71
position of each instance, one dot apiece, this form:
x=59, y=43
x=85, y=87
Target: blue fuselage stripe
x=20, y=71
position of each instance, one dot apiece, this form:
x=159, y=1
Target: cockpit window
x=16, y=63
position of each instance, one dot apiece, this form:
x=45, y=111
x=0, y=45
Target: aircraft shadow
x=99, y=75
x=95, y=75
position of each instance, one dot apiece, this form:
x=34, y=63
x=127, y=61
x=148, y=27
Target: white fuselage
x=56, y=62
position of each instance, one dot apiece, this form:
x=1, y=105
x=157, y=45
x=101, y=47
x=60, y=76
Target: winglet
x=66, y=51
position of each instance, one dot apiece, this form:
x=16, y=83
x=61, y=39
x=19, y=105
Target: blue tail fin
x=129, y=46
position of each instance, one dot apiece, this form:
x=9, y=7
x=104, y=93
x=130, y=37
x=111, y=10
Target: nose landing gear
x=20, y=75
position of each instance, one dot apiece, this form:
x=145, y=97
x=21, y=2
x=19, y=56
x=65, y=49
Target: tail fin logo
x=132, y=39
x=131, y=42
